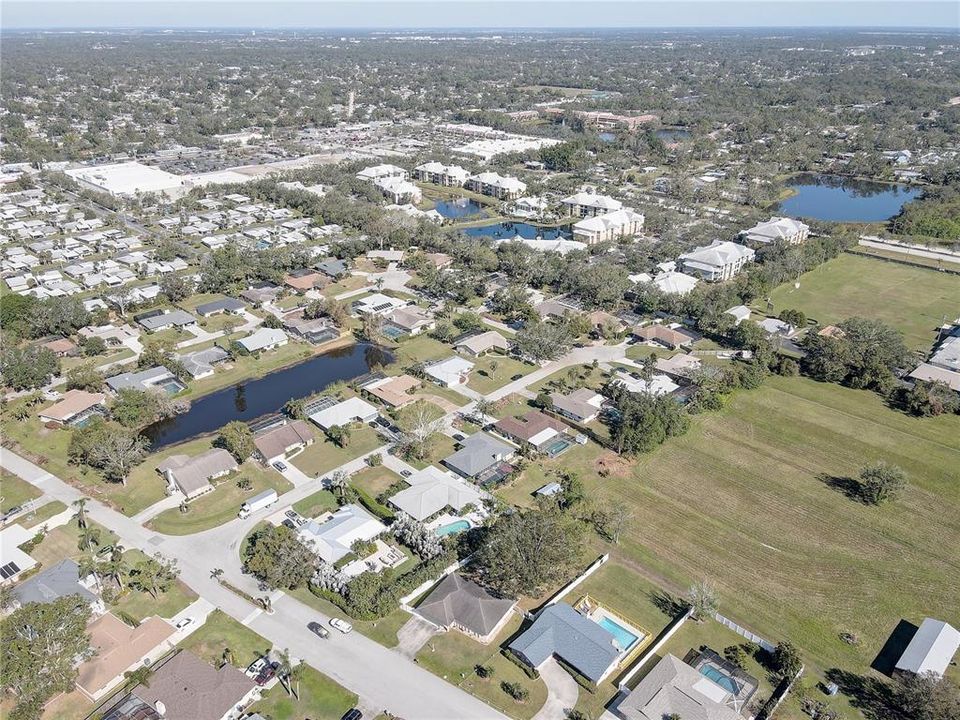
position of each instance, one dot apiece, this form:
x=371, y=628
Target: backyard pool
x=453, y=528
x=621, y=636
x=557, y=447
x=720, y=678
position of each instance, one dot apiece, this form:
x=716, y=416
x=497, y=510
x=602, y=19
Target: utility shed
x=931, y=649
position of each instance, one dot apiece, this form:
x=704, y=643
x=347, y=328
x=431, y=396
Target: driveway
x=414, y=635
x=562, y=692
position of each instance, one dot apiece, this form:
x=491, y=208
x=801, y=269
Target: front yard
x=325, y=455
x=320, y=699
x=494, y=371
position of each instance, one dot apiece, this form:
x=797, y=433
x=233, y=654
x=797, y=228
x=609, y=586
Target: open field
x=912, y=300
x=141, y=605
x=221, y=631
x=14, y=491
x=63, y=542
x=495, y=371
x=374, y=480
x=748, y=499
x=318, y=502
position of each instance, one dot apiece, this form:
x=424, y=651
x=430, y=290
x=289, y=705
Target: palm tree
x=116, y=568
x=88, y=538
x=89, y=565
x=117, y=552
x=227, y=657
x=285, y=671
x=216, y=574
x=81, y=506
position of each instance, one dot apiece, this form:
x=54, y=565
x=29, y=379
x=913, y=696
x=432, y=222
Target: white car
x=341, y=625
x=186, y=622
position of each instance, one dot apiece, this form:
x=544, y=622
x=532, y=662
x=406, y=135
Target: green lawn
x=571, y=378
x=746, y=500
x=325, y=455
x=374, y=480
x=38, y=517
x=222, y=505
x=439, y=447
x=320, y=699
x=141, y=605
x=453, y=656
x=14, y=491
x=62, y=543
x=383, y=631
x=313, y=505
x=221, y=631
x=248, y=366
x=913, y=300
x=495, y=371
x=419, y=349
x=582, y=459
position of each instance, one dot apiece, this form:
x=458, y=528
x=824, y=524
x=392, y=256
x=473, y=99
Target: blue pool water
x=623, y=637
x=724, y=681
x=453, y=528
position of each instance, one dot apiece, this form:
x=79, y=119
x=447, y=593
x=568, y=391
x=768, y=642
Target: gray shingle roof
x=227, y=304
x=563, y=632
x=672, y=686
x=174, y=317
x=477, y=453
x=59, y=581
x=458, y=600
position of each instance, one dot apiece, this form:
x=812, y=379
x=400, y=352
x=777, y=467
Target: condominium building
x=720, y=260
x=589, y=204
x=440, y=174
x=610, y=226
x=496, y=185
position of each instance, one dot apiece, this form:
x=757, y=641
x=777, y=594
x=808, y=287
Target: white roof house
x=399, y=190
x=376, y=172
x=739, y=313
x=720, y=260
x=931, y=649
x=13, y=560
x=777, y=229
x=378, y=304
x=264, y=339
x=333, y=538
x=344, y=413
x=657, y=385
x=431, y=490
x=452, y=371
x=675, y=283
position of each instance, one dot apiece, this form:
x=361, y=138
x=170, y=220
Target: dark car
x=406, y=473
x=266, y=675
x=517, y=376
x=459, y=438
x=318, y=629
x=352, y=714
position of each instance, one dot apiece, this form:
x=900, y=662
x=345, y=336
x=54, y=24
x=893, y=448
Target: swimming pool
x=453, y=528
x=721, y=679
x=623, y=637
x=557, y=447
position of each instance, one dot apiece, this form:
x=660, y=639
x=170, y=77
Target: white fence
x=743, y=632
x=594, y=566
x=654, y=649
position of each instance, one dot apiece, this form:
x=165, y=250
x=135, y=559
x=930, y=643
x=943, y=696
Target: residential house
x=398, y=190
x=482, y=458
x=155, y=322
x=450, y=372
x=657, y=385
x=61, y=347
x=739, y=313
x=440, y=174
x=393, y=391
x=76, y=406
x=561, y=632
x=590, y=204
x=582, y=405
x=186, y=688
x=159, y=378
x=410, y=320
x=333, y=538
x=931, y=649
x=215, y=307
x=346, y=412
x=378, y=172
x=671, y=282
x=282, y=442
x=664, y=335
x=460, y=604
x=200, y=363
x=433, y=490
x=377, y=304
x=720, y=260
x=120, y=648
x=935, y=374
x=482, y=343
x=333, y=267
x=264, y=339
x=776, y=229
x=496, y=185
x=14, y=561
x=56, y=582
x=192, y=475
x=614, y=225
x=534, y=429
x=777, y=327
x=305, y=279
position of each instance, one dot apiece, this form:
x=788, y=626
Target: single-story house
x=280, y=443
x=333, y=538
x=409, y=320
x=460, y=604
x=13, y=560
x=449, y=372
x=534, y=429
x=931, y=649
x=582, y=405
x=61, y=347
x=668, y=337
x=332, y=267
x=658, y=384
x=482, y=343
x=166, y=320
x=348, y=411
x=439, y=260
x=75, y=406
x=199, y=364
x=59, y=581
x=144, y=380
x=186, y=688
x=775, y=326
x=932, y=373
x=549, y=490
x=739, y=313
x=215, y=307
x=377, y=304
x=305, y=279
x=192, y=475
x=432, y=490
x=393, y=391
x=673, y=688
x=264, y=292
x=560, y=631
x=479, y=454
x=120, y=648
x=264, y=339
x=678, y=365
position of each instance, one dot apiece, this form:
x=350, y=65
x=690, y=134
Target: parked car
x=406, y=473
x=352, y=714
x=318, y=629
x=186, y=622
x=292, y=514
x=257, y=666
x=516, y=377
x=266, y=675
x=341, y=625
x=290, y=523
x=458, y=437
x=279, y=466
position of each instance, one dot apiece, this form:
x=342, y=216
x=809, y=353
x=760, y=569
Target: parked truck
x=257, y=502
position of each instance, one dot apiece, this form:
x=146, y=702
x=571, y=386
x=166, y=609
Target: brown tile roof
x=394, y=391
x=73, y=403
x=275, y=442
x=524, y=428
x=118, y=647
x=663, y=334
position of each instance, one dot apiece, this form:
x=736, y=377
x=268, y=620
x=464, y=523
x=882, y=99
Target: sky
x=502, y=14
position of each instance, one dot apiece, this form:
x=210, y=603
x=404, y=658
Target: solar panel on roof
x=9, y=570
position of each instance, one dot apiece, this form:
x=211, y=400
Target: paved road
x=577, y=356
x=384, y=679
x=908, y=250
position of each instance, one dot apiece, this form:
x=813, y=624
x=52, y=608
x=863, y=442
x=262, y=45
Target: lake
x=510, y=230
x=839, y=199
x=262, y=396
x=672, y=135
x=459, y=208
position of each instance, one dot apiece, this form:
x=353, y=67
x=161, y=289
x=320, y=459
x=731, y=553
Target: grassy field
x=325, y=455
x=38, y=517
x=320, y=699
x=374, y=480
x=910, y=299
x=14, y=491
x=748, y=499
x=141, y=605
x=494, y=371
x=62, y=543
x=222, y=505
x=221, y=631
x=318, y=502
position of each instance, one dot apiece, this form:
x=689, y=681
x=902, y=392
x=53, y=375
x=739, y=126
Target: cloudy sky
x=505, y=14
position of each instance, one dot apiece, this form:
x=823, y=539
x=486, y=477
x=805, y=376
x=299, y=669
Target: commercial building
x=128, y=179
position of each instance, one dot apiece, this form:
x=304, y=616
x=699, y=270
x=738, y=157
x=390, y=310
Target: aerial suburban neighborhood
x=589, y=367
